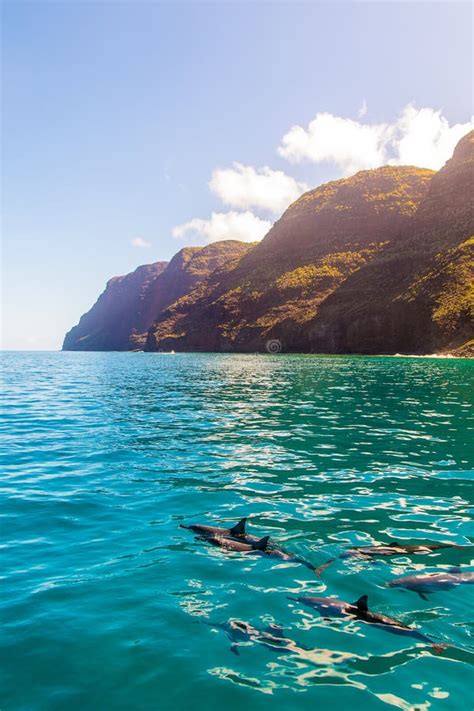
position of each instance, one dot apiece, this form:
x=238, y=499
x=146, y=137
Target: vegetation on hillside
x=381, y=262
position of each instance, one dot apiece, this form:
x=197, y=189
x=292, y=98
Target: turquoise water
x=107, y=604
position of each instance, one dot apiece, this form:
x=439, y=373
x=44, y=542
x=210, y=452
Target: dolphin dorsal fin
x=239, y=528
x=262, y=543
x=455, y=569
x=361, y=604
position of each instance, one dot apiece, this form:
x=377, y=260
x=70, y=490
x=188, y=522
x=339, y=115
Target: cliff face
x=276, y=290
x=120, y=318
x=377, y=263
x=118, y=313
x=417, y=295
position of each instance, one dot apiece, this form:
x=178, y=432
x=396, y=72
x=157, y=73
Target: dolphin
x=237, y=531
x=332, y=607
x=280, y=554
x=387, y=549
x=261, y=546
x=396, y=548
x=271, y=637
x=423, y=583
x=236, y=539
x=274, y=638
x=242, y=546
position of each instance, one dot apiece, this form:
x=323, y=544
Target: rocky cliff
x=124, y=312
x=381, y=262
x=377, y=263
x=277, y=289
x=118, y=313
x=416, y=296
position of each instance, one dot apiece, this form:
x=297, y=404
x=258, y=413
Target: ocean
x=108, y=604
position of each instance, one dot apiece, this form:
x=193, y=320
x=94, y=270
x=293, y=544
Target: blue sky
x=116, y=116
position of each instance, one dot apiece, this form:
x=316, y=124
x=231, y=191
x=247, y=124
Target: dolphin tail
x=239, y=528
x=320, y=569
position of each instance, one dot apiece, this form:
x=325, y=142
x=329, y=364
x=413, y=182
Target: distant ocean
x=108, y=605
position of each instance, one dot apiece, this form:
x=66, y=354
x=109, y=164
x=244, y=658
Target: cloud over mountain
x=244, y=186
x=350, y=144
x=423, y=137
x=420, y=137
x=244, y=226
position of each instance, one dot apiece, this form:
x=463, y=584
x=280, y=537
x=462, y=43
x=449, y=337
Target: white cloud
x=244, y=186
x=421, y=137
x=351, y=145
x=244, y=226
x=139, y=242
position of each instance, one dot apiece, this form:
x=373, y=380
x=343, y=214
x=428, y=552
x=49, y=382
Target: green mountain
x=277, y=289
x=377, y=263
x=381, y=262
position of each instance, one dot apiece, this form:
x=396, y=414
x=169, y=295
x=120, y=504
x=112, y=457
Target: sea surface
x=107, y=604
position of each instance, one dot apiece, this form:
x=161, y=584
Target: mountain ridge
x=123, y=313
x=380, y=262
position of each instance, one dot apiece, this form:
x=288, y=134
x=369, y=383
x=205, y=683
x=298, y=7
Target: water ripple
x=107, y=603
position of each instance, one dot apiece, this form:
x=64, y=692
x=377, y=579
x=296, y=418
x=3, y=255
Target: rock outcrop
x=118, y=314
x=381, y=262
x=277, y=289
x=377, y=263
x=124, y=312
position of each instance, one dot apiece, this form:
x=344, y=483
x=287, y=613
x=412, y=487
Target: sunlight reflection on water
x=106, y=454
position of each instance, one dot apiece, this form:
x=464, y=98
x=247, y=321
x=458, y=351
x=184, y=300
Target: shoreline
x=433, y=356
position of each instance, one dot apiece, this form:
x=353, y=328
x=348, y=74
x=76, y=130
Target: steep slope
x=417, y=295
x=123, y=313
x=117, y=313
x=276, y=289
x=378, y=263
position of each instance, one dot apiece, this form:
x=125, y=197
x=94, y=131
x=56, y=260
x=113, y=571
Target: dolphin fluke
x=239, y=528
x=262, y=543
